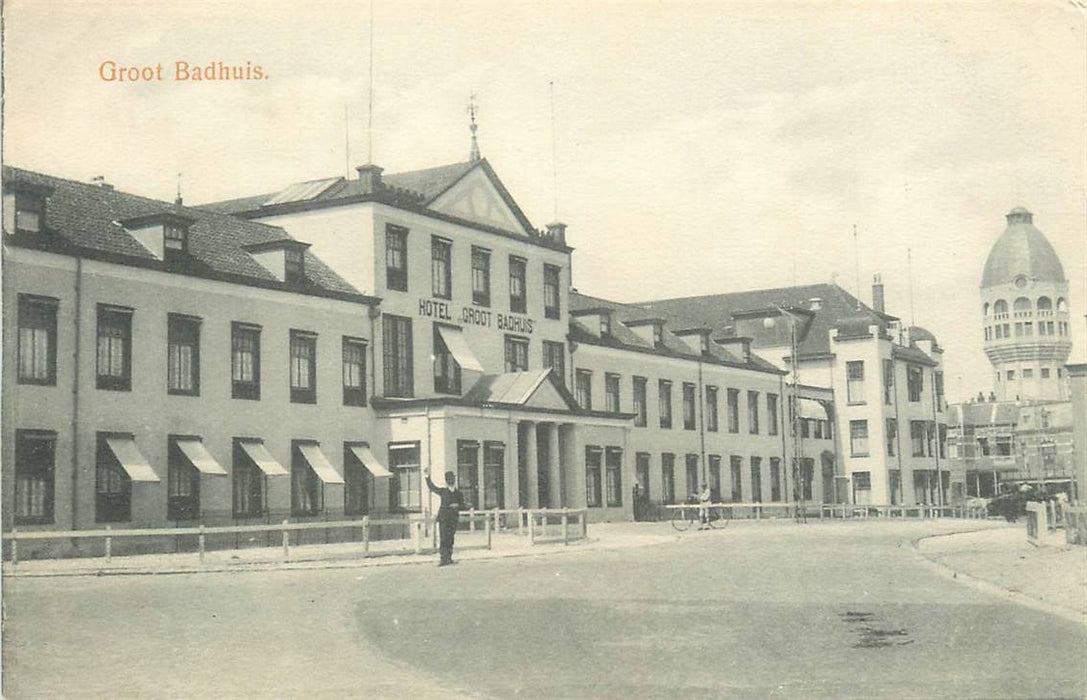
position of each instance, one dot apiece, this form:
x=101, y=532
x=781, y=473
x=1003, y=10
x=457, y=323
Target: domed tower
x=1024, y=301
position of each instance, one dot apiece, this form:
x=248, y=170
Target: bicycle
x=690, y=513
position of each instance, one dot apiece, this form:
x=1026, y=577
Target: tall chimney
x=877, y=292
x=370, y=177
x=556, y=231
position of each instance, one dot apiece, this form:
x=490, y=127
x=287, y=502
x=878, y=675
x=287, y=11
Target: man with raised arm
x=448, y=514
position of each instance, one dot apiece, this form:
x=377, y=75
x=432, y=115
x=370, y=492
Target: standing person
x=705, y=497
x=448, y=514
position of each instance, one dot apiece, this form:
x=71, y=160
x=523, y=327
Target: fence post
x=286, y=541
x=487, y=527
x=14, y=546
x=584, y=523
x=520, y=518
x=471, y=520
x=497, y=522
x=109, y=545
x=418, y=537
x=200, y=542
x=365, y=535
x=531, y=528
x=565, y=526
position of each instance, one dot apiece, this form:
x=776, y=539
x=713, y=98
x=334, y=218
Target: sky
x=691, y=147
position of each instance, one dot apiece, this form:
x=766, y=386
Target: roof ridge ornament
x=473, y=109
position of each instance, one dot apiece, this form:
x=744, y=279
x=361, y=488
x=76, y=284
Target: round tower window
x=1021, y=281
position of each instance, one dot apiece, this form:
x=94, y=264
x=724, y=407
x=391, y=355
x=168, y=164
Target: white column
x=554, y=458
x=511, y=476
x=532, y=466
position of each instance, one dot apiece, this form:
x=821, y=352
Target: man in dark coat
x=448, y=514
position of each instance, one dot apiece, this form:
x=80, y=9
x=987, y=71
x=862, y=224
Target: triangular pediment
x=479, y=197
x=547, y=396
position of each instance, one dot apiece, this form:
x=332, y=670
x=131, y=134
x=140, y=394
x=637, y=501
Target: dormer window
x=164, y=234
x=175, y=238
x=294, y=270
x=658, y=334
x=705, y=343
x=29, y=212
x=605, y=324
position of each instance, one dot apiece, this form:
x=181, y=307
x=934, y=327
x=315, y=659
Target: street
x=756, y=610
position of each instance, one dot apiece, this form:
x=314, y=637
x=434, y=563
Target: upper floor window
x=396, y=258
x=481, y=276
x=37, y=340
x=854, y=371
x=244, y=361
x=182, y=355
x=555, y=358
x=664, y=401
x=753, y=412
x=397, y=355
x=516, y=354
x=114, y=356
x=917, y=437
x=584, y=388
x=303, y=367
x=915, y=379
x=733, y=399
x=711, y=409
x=518, y=289
x=294, y=265
x=640, y=417
x=891, y=435
x=441, y=268
x=772, y=414
x=354, y=372
x=611, y=392
x=551, y=291
x=888, y=381
x=446, y=369
x=690, y=407
x=858, y=438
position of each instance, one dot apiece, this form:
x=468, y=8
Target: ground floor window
x=715, y=478
x=641, y=472
x=113, y=488
x=405, y=487
x=775, y=479
x=467, y=468
x=692, y=475
x=183, y=494
x=494, y=468
x=34, y=468
x=737, y=465
x=756, y=479
x=358, y=484
x=862, y=488
x=807, y=475
x=668, y=477
x=613, y=461
x=894, y=485
x=307, y=494
x=593, y=457
x=248, y=484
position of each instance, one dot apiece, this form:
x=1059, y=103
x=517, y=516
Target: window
x=888, y=381
x=892, y=436
x=518, y=293
x=862, y=481
x=915, y=382
x=446, y=369
x=1003, y=446
x=611, y=392
x=182, y=355
x=551, y=291
x=689, y=406
x=467, y=470
x=658, y=335
x=481, y=276
x=753, y=412
x=917, y=437
x=711, y=409
x=1011, y=374
x=584, y=389
x=294, y=266
x=396, y=356
x=854, y=371
x=114, y=348
x=306, y=492
x=664, y=398
x=441, y=268
x=174, y=238
x=938, y=381
x=640, y=407
x=605, y=324
x=35, y=454
x=641, y=472
x=858, y=438
x=756, y=479
x=942, y=441
x=303, y=367
x=354, y=372
x=405, y=486
x=668, y=477
x=1028, y=373
x=593, y=456
x=37, y=340
x=715, y=478
x=805, y=427
x=113, y=488
x=494, y=462
x=983, y=446
x=358, y=483
x=248, y=484
x=245, y=361
x=29, y=213
x=516, y=354
x=733, y=398
x=554, y=354
x=183, y=484
x=772, y=414
x=737, y=465
x=806, y=476
x=396, y=258
x=613, y=486
x=1045, y=373
x=775, y=479
x=692, y=474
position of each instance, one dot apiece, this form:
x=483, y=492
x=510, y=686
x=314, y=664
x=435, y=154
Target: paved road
x=824, y=610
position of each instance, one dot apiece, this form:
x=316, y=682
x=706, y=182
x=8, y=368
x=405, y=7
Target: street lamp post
x=794, y=403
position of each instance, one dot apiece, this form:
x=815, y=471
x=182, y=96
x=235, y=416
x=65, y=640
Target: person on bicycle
x=705, y=497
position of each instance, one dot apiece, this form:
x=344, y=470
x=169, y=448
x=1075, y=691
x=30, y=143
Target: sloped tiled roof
x=839, y=308
x=506, y=388
x=84, y=219
x=621, y=337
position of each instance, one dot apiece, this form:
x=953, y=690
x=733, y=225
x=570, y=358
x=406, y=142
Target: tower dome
x=1021, y=251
